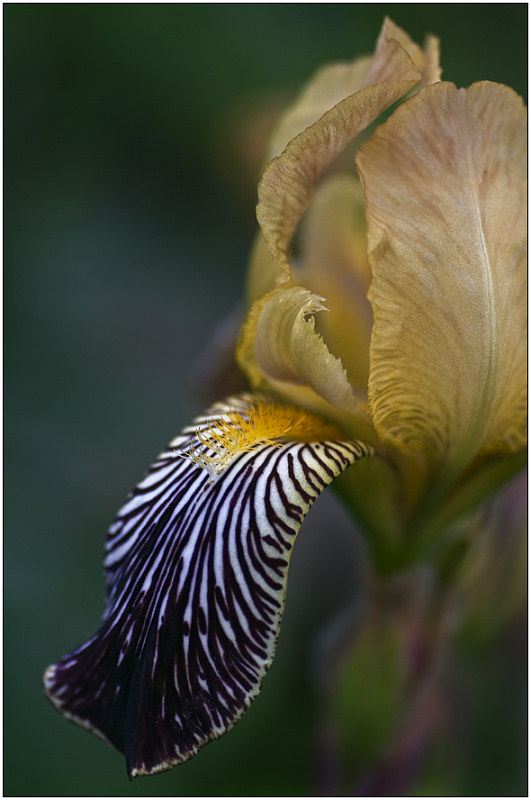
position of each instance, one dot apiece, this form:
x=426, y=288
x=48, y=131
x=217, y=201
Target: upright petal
x=196, y=565
x=339, y=103
x=334, y=82
x=445, y=187
x=387, y=59
x=287, y=182
x=328, y=86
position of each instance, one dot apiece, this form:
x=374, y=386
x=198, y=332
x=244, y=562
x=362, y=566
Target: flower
x=431, y=366
x=415, y=375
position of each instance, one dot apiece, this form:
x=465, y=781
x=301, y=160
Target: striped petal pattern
x=196, y=566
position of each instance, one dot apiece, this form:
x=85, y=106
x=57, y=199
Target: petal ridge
x=444, y=181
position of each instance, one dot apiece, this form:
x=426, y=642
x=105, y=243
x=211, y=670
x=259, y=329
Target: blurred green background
x=132, y=139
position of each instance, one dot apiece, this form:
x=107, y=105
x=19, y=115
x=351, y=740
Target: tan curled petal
x=281, y=331
x=432, y=69
x=333, y=246
x=445, y=186
x=284, y=191
x=386, y=62
x=329, y=85
x=333, y=82
x=287, y=182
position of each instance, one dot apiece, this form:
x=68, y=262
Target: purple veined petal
x=196, y=566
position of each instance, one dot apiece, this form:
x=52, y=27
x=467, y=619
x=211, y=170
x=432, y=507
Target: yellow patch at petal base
x=266, y=423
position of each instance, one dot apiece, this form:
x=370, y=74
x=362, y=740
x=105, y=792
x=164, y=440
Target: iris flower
x=384, y=342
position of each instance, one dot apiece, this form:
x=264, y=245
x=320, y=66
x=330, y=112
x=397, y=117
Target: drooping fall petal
x=445, y=188
x=196, y=567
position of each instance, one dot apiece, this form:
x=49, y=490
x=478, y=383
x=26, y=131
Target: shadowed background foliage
x=132, y=136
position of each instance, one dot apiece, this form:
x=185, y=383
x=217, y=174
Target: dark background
x=131, y=137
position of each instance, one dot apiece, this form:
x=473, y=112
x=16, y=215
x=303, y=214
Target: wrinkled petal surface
x=337, y=105
x=331, y=84
x=287, y=182
x=334, y=82
x=196, y=566
x=445, y=187
x=279, y=344
x=426, y=61
x=388, y=60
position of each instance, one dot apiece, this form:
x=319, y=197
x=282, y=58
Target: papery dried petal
x=397, y=65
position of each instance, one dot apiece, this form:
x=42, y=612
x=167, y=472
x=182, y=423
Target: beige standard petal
x=445, y=187
x=387, y=59
x=287, y=182
x=325, y=129
x=328, y=86
x=334, y=82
